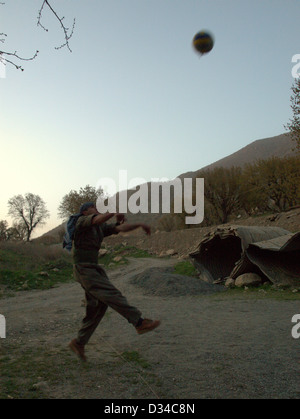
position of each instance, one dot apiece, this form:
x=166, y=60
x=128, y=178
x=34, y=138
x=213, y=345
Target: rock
x=273, y=217
x=280, y=286
x=43, y=273
x=55, y=270
x=117, y=258
x=102, y=252
x=41, y=385
x=248, y=279
x=230, y=283
x=171, y=252
x=262, y=291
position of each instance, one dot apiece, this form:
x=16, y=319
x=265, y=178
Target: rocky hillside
x=181, y=242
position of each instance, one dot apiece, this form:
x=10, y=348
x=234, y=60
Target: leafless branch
x=4, y=60
x=68, y=33
x=10, y=57
x=2, y=40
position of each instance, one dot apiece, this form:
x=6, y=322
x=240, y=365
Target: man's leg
x=98, y=286
x=105, y=291
x=95, y=311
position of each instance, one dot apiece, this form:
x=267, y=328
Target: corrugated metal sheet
x=272, y=252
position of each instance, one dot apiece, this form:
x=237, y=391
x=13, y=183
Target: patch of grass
x=135, y=357
x=21, y=371
x=35, y=266
x=130, y=251
x=21, y=270
x=44, y=371
x=11, y=259
x=141, y=374
x=29, y=254
x=261, y=292
x=185, y=268
x=41, y=278
x=122, y=253
x=133, y=252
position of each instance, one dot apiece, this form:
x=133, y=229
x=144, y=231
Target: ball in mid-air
x=203, y=42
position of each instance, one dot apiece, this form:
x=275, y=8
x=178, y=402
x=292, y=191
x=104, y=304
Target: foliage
x=222, y=190
x=294, y=125
x=72, y=201
x=3, y=230
x=272, y=184
x=170, y=222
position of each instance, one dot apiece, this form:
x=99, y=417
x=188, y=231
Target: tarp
x=271, y=252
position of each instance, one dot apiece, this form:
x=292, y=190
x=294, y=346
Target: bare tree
x=28, y=212
x=14, y=58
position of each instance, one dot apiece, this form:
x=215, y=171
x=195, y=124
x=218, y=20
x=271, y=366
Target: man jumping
x=90, y=228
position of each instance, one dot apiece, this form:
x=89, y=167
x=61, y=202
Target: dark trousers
x=100, y=294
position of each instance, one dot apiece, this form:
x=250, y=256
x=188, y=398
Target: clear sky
x=133, y=95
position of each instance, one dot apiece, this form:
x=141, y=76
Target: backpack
x=70, y=230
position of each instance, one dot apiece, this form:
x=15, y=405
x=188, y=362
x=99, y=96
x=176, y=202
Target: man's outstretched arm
x=124, y=228
x=102, y=218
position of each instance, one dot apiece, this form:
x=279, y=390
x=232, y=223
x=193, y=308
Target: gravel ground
x=212, y=345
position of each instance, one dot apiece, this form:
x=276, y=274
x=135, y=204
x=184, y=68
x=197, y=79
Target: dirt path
x=207, y=346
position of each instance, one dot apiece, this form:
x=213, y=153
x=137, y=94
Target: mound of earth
x=164, y=282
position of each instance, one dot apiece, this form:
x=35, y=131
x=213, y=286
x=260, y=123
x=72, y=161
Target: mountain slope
x=278, y=146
